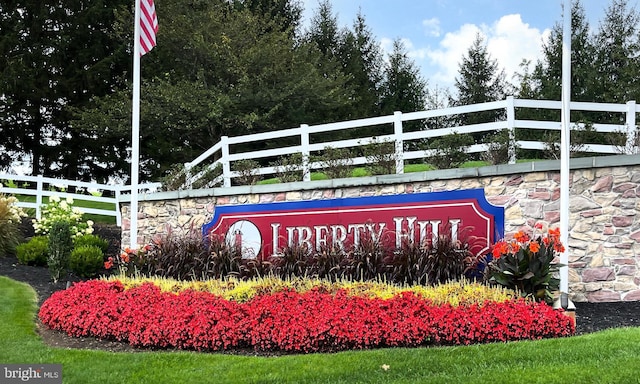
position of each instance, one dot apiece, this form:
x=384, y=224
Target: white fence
x=225, y=157
x=41, y=187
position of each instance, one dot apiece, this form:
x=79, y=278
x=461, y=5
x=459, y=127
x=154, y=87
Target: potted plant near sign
x=527, y=264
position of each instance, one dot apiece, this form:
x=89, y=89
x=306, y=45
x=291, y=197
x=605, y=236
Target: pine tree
x=55, y=56
x=548, y=72
x=362, y=61
x=403, y=88
x=480, y=81
x=618, y=54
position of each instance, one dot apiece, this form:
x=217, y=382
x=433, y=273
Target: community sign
x=260, y=230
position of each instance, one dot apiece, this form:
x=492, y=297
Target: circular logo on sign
x=245, y=237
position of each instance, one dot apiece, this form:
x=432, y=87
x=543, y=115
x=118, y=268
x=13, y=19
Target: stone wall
x=604, y=237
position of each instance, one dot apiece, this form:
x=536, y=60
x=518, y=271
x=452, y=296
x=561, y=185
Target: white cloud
x=509, y=40
x=432, y=27
x=453, y=47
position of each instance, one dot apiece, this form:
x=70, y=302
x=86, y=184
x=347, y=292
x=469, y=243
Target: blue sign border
x=465, y=194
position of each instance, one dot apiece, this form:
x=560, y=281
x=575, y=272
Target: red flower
x=499, y=249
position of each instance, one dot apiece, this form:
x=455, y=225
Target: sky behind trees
x=437, y=33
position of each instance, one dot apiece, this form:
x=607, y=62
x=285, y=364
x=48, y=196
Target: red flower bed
x=288, y=321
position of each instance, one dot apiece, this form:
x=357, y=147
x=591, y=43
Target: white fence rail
x=225, y=157
x=42, y=187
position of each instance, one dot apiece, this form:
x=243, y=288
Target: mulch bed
x=590, y=317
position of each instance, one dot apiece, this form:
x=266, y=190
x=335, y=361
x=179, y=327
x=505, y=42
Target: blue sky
x=438, y=33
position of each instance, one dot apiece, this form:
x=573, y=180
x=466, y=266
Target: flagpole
x=135, y=130
x=564, y=146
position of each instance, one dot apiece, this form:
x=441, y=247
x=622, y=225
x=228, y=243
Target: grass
x=604, y=357
x=76, y=203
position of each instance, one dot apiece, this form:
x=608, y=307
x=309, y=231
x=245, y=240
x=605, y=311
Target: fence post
x=304, y=144
x=187, y=175
x=226, y=165
x=511, y=126
x=632, y=145
x=116, y=192
x=39, y=188
x=399, y=143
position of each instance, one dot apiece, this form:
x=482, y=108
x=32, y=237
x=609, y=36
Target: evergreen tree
x=403, y=88
x=618, y=54
x=439, y=98
x=54, y=56
x=324, y=31
x=548, y=72
x=219, y=69
x=362, y=61
x=480, y=81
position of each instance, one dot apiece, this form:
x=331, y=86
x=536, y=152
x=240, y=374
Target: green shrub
x=450, y=150
x=336, y=162
x=248, y=169
x=91, y=241
x=60, y=246
x=86, y=260
x=381, y=157
x=289, y=168
x=33, y=252
x=498, y=152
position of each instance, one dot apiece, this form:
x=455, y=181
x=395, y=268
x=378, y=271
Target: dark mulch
x=590, y=317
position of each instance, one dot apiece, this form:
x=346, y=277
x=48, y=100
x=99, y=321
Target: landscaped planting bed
x=287, y=320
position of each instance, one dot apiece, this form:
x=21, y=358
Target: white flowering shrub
x=62, y=210
x=10, y=219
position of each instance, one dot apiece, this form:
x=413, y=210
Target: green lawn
x=76, y=203
x=604, y=357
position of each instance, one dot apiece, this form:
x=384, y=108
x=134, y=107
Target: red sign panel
x=265, y=229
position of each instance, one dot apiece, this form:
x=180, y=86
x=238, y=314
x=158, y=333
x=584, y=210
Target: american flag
x=148, y=26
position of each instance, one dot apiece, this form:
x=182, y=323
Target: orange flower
x=521, y=237
x=125, y=257
x=499, y=249
x=546, y=241
x=554, y=232
x=109, y=263
x=558, y=247
x=534, y=246
x=515, y=247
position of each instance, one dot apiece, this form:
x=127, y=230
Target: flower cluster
x=312, y=321
x=526, y=263
x=62, y=210
x=9, y=211
x=129, y=262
